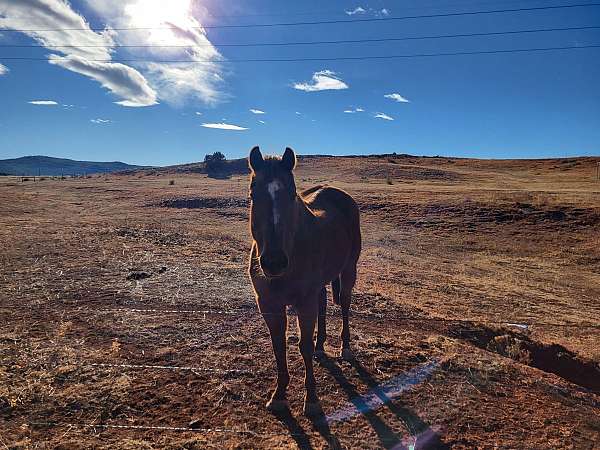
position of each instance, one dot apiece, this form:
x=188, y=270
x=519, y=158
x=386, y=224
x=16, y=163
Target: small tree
x=214, y=162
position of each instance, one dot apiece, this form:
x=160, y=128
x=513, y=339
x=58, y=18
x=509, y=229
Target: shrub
x=171, y=182
x=214, y=162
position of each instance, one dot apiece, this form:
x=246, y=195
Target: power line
x=345, y=41
x=339, y=58
x=372, y=10
x=322, y=22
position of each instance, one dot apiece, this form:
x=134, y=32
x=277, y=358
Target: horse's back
x=338, y=205
x=328, y=197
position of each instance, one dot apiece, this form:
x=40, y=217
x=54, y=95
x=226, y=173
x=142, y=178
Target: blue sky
x=514, y=105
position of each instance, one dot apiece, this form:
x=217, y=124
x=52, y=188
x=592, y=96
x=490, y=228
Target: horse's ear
x=256, y=159
x=288, y=161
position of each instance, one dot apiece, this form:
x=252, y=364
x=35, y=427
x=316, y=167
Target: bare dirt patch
x=407, y=173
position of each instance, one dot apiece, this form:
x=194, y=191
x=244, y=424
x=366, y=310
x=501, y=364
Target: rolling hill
x=46, y=165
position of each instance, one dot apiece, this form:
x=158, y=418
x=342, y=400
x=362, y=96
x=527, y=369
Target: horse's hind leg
x=321, y=326
x=347, y=278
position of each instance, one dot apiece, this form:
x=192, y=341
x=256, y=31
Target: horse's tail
x=335, y=288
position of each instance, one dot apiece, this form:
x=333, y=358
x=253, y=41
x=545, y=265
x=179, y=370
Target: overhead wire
x=320, y=22
x=323, y=42
x=333, y=58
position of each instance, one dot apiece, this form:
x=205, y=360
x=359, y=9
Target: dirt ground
x=126, y=312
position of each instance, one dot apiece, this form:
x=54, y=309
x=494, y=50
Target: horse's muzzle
x=274, y=265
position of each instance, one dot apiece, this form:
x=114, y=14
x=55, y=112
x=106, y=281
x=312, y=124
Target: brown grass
x=490, y=242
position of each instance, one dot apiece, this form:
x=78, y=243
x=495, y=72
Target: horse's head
x=273, y=209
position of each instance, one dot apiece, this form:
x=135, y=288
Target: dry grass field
x=126, y=312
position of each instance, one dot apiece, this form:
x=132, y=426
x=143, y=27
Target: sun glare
x=158, y=13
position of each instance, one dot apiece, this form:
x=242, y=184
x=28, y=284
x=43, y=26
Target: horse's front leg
x=276, y=320
x=306, y=323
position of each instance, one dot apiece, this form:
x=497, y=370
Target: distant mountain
x=46, y=165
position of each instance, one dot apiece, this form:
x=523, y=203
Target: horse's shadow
x=294, y=428
x=427, y=438
x=299, y=434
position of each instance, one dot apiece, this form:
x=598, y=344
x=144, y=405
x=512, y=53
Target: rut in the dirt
x=552, y=358
x=203, y=203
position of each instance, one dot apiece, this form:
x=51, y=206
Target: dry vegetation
x=139, y=270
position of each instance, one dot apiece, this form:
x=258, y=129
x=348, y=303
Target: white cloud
x=262, y=121
x=298, y=113
x=323, y=80
x=121, y=80
x=68, y=106
x=256, y=111
x=3, y=70
x=43, y=102
x=383, y=116
x=357, y=10
x=397, y=97
x=100, y=121
x=198, y=113
x=82, y=46
x=224, y=126
x=353, y=111
x=176, y=23
x=385, y=12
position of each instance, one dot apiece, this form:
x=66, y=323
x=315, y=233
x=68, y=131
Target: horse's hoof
x=347, y=354
x=313, y=409
x=278, y=405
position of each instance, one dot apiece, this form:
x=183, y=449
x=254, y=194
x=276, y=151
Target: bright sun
x=160, y=13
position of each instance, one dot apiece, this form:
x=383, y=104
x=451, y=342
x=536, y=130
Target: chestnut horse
x=301, y=242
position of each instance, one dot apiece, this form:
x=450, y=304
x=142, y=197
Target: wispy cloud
x=397, y=97
x=3, y=70
x=224, y=126
x=262, y=121
x=324, y=80
x=84, y=47
x=298, y=113
x=156, y=22
x=370, y=11
x=256, y=111
x=383, y=116
x=43, y=102
x=353, y=111
x=198, y=113
x=121, y=80
x=177, y=25
x=100, y=121
x=357, y=10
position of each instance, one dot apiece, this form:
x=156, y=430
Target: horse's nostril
x=274, y=264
